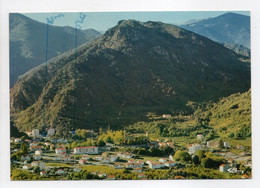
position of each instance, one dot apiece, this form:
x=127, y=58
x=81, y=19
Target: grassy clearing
x=101, y=168
x=57, y=165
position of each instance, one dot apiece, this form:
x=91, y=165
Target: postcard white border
x=7, y=6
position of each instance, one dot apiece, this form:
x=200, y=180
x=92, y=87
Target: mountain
x=230, y=116
x=133, y=69
x=230, y=27
x=238, y=49
x=28, y=43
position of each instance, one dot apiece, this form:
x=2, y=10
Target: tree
x=182, y=156
x=221, y=144
x=200, y=154
x=73, y=144
x=101, y=143
x=195, y=159
x=24, y=148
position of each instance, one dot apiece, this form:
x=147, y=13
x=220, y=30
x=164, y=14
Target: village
x=49, y=157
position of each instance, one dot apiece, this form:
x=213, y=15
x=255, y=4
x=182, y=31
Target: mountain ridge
x=134, y=68
x=228, y=27
x=28, y=41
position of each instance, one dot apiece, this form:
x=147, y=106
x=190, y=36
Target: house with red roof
x=60, y=150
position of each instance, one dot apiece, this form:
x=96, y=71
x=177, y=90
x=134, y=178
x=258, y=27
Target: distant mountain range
x=227, y=28
x=28, y=43
x=133, y=69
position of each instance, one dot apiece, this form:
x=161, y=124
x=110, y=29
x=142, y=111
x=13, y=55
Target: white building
x=166, y=116
x=223, y=168
x=35, y=133
x=57, y=158
x=27, y=166
x=200, y=136
x=226, y=144
x=170, y=163
x=60, y=150
x=66, y=158
x=38, y=152
x=25, y=157
x=50, y=132
x=43, y=173
x=156, y=165
x=40, y=164
x=125, y=155
x=60, y=171
x=37, y=157
x=77, y=169
x=117, y=166
x=113, y=158
x=17, y=140
x=98, y=158
x=86, y=150
x=82, y=161
x=193, y=148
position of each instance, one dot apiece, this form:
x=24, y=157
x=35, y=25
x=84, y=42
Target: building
x=33, y=144
x=129, y=165
x=86, y=150
x=141, y=175
x=98, y=158
x=86, y=157
x=66, y=158
x=193, y=148
x=156, y=165
x=111, y=177
x=27, y=166
x=38, y=152
x=82, y=161
x=60, y=171
x=60, y=150
x=105, y=160
x=232, y=170
x=140, y=161
x=113, y=158
x=17, y=140
x=35, y=133
x=47, y=143
x=200, y=136
x=162, y=144
x=50, y=132
x=36, y=147
x=29, y=133
x=226, y=144
x=25, y=157
x=37, y=157
x=138, y=170
x=57, y=158
x=118, y=166
x=166, y=116
x=102, y=175
x=43, y=173
x=40, y=164
x=223, y=168
x=77, y=169
x=212, y=144
x=170, y=163
x=126, y=155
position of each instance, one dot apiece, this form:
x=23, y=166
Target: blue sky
x=101, y=21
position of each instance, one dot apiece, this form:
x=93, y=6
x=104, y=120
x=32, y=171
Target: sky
x=101, y=21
